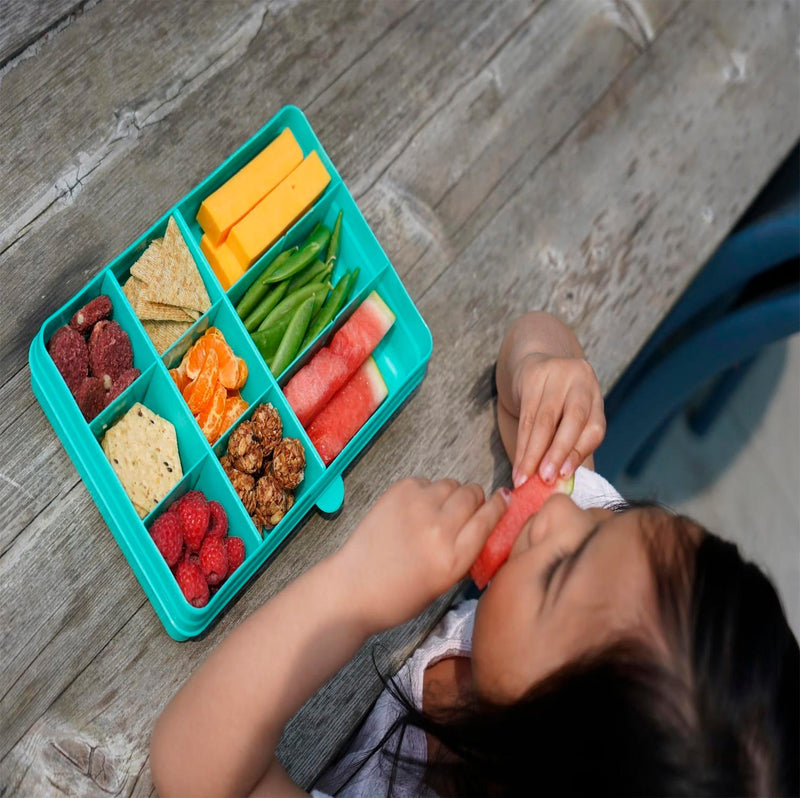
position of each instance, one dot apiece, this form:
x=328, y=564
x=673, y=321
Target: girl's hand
x=561, y=418
x=418, y=540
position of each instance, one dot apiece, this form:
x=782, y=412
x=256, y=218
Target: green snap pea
x=330, y=307
x=268, y=336
x=267, y=341
x=259, y=288
x=312, y=273
x=315, y=243
x=292, y=338
x=265, y=306
x=333, y=246
x=291, y=302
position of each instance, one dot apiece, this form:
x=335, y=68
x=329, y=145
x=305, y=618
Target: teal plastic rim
x=401, y=356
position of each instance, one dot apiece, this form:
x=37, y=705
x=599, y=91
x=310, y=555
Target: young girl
x=620, y=650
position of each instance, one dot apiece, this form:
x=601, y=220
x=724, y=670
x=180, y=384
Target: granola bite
x=248, y=499
x=271, y=500
x=268, y=427
x=289, y=462
x=241, y=482
x=245, y=449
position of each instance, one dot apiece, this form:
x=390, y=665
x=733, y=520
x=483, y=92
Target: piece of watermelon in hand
x=525, y=501
x=348, y=411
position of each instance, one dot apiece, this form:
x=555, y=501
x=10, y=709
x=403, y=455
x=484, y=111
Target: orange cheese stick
x=253, y=235
x=233, y=199
x=223, y=262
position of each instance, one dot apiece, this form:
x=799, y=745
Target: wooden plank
x=36, y=471
x=688, y=63
x=28, y=26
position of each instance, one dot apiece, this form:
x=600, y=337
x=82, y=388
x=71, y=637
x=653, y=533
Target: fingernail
x=566, y=470
x=520, y=479
x=548, y=472
x=506, y=494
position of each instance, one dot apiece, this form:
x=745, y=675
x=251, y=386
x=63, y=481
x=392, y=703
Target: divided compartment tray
x=401, y=356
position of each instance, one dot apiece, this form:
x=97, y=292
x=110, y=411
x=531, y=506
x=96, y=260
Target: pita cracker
x=176, y=280
x=142, y=448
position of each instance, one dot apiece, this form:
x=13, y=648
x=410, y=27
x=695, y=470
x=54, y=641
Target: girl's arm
x=218, y=735
x=550, y=407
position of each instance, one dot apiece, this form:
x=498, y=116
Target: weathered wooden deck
x=584, y=156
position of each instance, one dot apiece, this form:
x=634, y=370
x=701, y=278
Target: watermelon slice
x=526, y=500
x=316, y=383
x=348, y=411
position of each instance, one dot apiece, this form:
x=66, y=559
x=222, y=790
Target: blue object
x=401, y=356
x=745, y=298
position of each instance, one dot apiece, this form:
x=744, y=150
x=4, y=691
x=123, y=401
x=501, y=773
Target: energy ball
x=244, y=448
x=110, y=352
x=68, y=351
x=96, y=310
x=91, y=397
x=270, y=500
x=289, y=463
x=268, y=427
x=125, y=380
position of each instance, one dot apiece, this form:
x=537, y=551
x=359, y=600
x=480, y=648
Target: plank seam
x=32, y=46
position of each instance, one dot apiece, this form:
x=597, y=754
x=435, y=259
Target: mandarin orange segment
x=234, y=407
x=215, y=331
x=204, y=385
x=187, y=390
x=228, y=362
x=242, y=376
x=179, y=376
x=196, y=357
x=210, y=418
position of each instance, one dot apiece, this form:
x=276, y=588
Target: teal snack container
x=401, y=356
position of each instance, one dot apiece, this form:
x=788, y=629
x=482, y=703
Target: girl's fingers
x=462, y=503
x=547, y=419
x=529, y=402
x=444, y=487
x=477, y=528
x=590, y=438
x=577, y=410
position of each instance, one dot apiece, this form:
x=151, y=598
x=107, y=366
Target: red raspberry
x=167, y=534
x=192, y=583
x=192, y=495
x=218, y=525
x=190, y=556
x=235, y=547
x=214, y=560
x=194, y=512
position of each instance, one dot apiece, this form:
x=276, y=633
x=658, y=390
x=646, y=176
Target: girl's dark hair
x=718, y=718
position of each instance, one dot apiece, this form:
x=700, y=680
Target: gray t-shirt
x=451, y=637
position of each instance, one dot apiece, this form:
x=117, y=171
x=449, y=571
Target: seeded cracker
x=175, y=279
x=143, y=451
